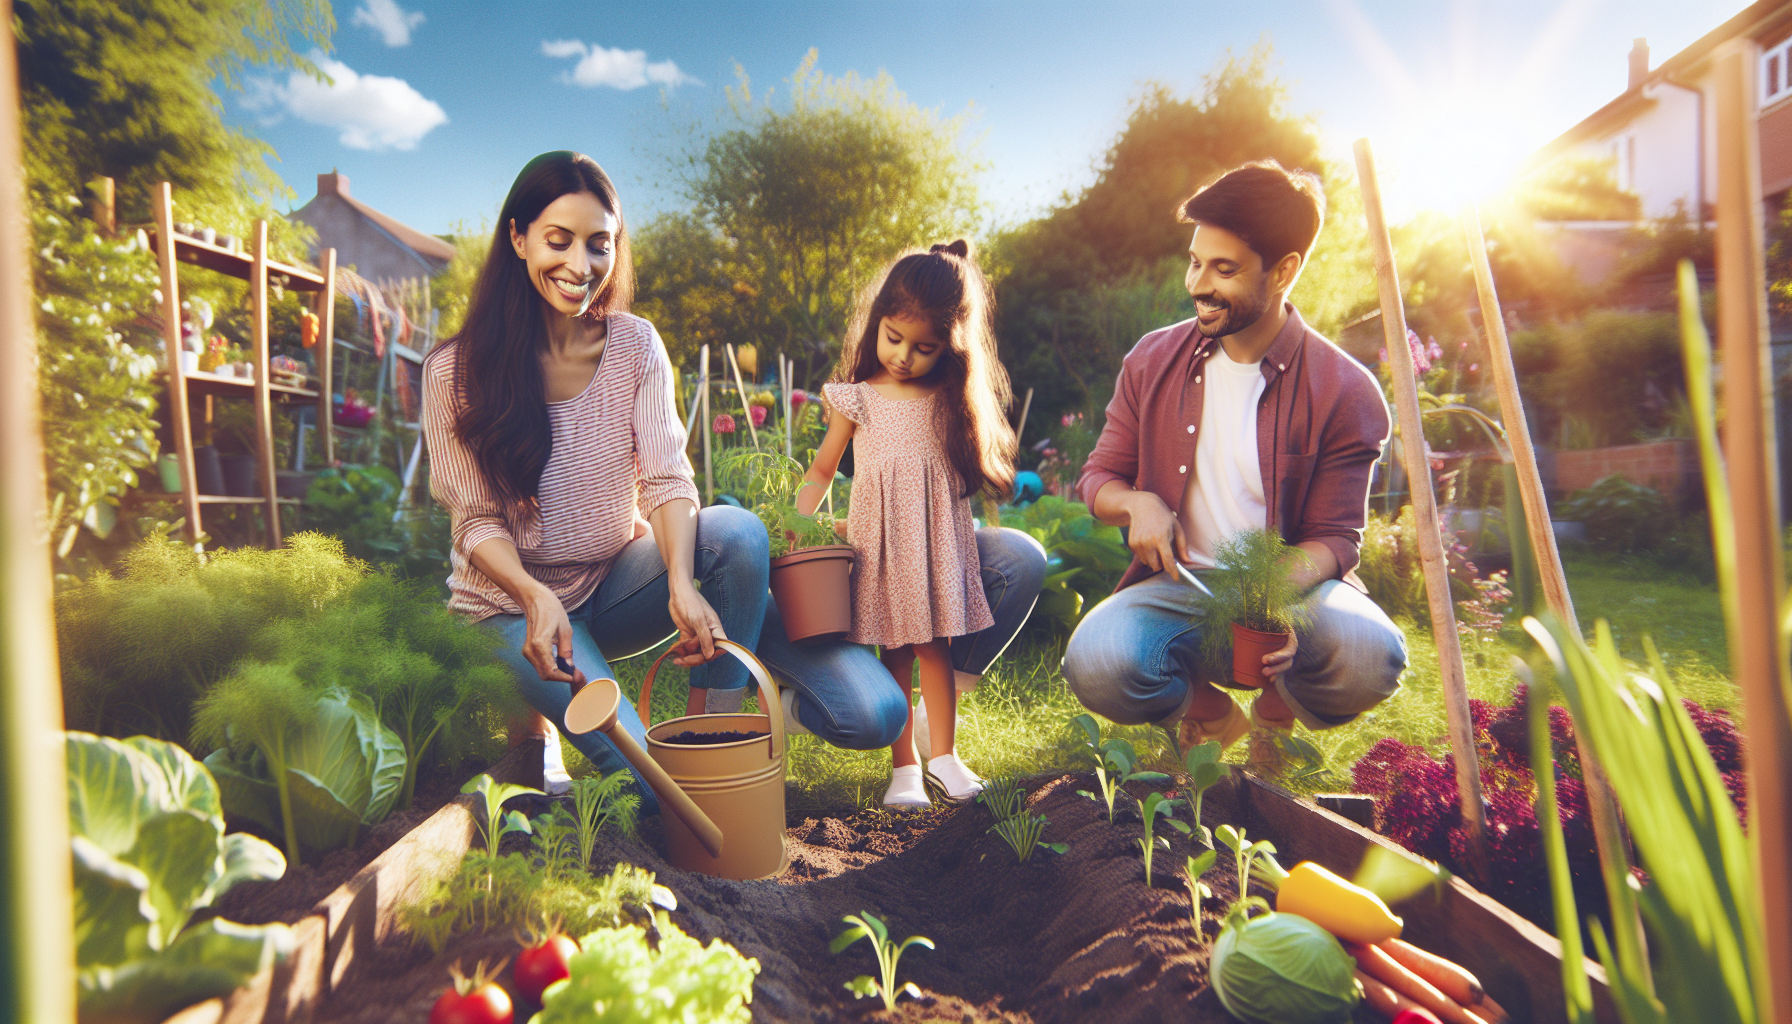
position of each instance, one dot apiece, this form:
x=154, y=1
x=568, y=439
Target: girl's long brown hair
x=503, y=417
x=945, y=288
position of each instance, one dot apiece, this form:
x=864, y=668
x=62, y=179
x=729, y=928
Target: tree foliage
x=794, y=207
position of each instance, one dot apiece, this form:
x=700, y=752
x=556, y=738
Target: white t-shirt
x=1225, y=492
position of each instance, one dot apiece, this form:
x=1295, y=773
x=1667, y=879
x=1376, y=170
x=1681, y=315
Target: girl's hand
x=698, y=626
x=549, y=637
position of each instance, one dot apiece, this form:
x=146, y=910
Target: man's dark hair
x=1276, y=211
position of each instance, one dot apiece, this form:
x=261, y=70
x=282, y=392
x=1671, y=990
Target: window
x=1624, y=161
x=1776, y=72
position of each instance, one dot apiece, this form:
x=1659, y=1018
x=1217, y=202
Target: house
x=378, y=247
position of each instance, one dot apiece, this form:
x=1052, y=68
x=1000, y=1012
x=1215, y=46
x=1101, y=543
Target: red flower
x=758, y=414
x=723, y=424
x=797, y=397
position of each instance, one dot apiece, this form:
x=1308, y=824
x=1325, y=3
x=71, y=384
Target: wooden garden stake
x=787, y=371
x=709, y=477
x=264, y=410
x=1758, y=649
x=37, y=941
x=1608, y=826
x=1026, y=406
x=1424, y=501
x=745, y=410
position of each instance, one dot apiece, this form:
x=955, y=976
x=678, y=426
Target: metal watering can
x=725, y=800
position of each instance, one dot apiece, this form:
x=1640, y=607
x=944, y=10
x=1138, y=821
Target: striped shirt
x=618, y=454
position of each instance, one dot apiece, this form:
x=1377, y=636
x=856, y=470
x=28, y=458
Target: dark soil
x=1076, y=937
x=704, y=739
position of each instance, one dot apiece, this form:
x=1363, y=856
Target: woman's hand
x=549, y=637
x=698, y=626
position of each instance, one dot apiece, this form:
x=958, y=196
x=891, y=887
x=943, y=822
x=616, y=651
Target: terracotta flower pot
x=813, y=588
x=1248, y=648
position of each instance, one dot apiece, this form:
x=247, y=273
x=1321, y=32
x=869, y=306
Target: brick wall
x=1671, y=467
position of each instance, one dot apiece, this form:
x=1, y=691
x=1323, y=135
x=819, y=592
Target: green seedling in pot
x=1197, y=889
x=1022, y=832
x=1004, y=798
x=497, y=823
x=1204, y=772
x=1153, y=805
x=865, y=926
x=1116, y=763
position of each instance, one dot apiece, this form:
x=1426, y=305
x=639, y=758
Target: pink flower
x=1434, y=350
x=1474, y=367
x=758, y=414
x=723, y=424
x=1421, y=359
x=797, y=397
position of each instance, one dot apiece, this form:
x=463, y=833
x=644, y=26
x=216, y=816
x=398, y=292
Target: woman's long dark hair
x=503, y=417
x=944, y=287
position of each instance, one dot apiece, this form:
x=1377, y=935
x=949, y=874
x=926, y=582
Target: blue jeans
x=845, y=695
x=1132, y=659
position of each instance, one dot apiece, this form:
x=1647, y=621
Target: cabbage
x=1283, y=969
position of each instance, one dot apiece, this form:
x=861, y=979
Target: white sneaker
x=793, y=726
x=955, y=777
x=554, y=779
x=907, y=791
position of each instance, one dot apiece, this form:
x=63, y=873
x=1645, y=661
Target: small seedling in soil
x=1116, y=763
x=1153, y=805
x=1022, y=833
x=865, y=926
x=1003, y=797
x=1246, y=853
x=597, y=801
x=1205, y=771
x=497, y=824
x=475, y=1000
x=556, y=840
x=1197, y=889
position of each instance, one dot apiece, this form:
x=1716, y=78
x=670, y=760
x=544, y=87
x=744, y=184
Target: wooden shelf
x=200, y=382
x=237, y=264
x=231, y=499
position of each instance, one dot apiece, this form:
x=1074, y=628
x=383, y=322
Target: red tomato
x=541, y=966
x=487, y=1004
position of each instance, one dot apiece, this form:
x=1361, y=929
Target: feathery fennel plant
x=1253, y=587
x=259, y=707
x=601, y=800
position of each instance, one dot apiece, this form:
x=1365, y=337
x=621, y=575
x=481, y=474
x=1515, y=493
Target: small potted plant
x=1255, y=605
x=811, y=572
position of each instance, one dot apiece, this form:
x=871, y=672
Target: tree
x=795, y=208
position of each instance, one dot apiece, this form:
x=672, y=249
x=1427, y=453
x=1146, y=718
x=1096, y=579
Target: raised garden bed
x=1075, y=937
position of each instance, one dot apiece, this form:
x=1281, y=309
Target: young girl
x=919, y=386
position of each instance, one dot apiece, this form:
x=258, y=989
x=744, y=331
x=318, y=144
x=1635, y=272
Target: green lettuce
x=618, y=978
x=147, y=836
x=342, y=769
x=1282, y=969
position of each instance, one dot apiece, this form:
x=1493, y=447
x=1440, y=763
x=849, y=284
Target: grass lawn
x=1016, y=723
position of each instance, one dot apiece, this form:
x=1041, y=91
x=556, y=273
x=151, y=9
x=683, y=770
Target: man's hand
x=1153, y=531
x=1277, y=662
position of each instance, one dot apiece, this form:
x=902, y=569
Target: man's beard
x=1237, y=316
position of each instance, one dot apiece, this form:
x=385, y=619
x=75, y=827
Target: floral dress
x=916, y=574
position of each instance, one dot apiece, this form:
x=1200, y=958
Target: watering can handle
x=768, y=693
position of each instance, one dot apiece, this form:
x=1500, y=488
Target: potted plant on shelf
x=1255, y=605
x=811, y=572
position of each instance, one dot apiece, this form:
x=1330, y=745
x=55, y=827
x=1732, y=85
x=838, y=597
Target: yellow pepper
x=1346, y=910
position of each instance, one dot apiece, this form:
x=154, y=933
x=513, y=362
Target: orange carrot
x=1494, y=1012
x=1447, y=977
x=1385, y=1001
x=1379, y=965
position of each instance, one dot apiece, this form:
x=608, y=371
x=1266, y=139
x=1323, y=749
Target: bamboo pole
x=326, y=353
x=709, y=476
x=1026, y=406
x=1608, y=826
x=1758, y=650
x=1424, y=501
x=746, y=410
x=37, y=945
x=264, y=412
x=785, y=371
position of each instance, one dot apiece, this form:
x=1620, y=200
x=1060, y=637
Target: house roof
x=1755, y=20
x=335, y=184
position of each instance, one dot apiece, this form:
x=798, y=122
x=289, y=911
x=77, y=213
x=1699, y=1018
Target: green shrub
x=618, y=977
x=140, y=646
x=147, y=832
x=1617, y=373
x=1085, y=557
x=1620, y=515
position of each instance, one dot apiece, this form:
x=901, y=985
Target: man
x=1241, y=417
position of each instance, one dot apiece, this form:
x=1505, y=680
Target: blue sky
x=437, y=105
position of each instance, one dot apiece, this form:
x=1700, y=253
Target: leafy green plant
x=769, y=483
x=1194, y=868
x=1150, y=808
x=313, y=766
x=147, y=835
x=356, y=504
x=866, y=926
x=1022, y=832
x=1085, y=557
x=1620, y=515
x=556, y=840
x=140, y=645
x=601, y=800
x=1204, y=772
x=494, y=822
x=1116, y=763
x=1246, y=854
x=482, y=895
x=1253, y=587
x=620, y=977
x=1005, y=797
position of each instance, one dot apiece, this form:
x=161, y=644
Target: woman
x=556, y=449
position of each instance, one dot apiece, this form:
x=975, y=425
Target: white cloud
x=392, y=22
x=616, y=68
x=372, y=111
